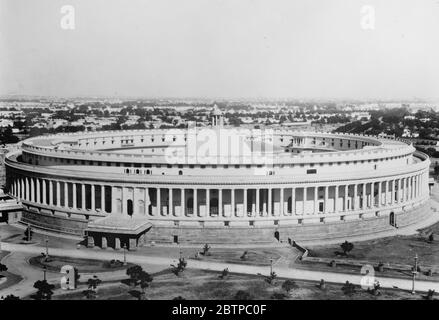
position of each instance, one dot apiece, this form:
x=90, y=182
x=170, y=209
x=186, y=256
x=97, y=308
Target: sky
x=307, y=49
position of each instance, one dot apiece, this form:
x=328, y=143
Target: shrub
x=348, y=288
x=289, y=285
x=279, y=296
x=243, y=295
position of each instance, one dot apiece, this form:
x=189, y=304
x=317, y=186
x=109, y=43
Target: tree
x=244, y=256
x=271, y=278
x=11, y=297
x=206, y=249
x=44, y=290
x=279, y=296
x=289, y=285
x=430, y=295
x=243, y=295
x=144, y=280
x=92, y=283
x=3, y=268
x=180, y=267
x=224, y=273
x=347, y=247
x=348, y=288
x=134, y=274
x=28, y=234
x=376, y=289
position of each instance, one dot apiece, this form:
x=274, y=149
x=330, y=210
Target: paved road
x=281, y=270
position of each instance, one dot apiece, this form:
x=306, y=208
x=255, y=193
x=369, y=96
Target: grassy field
x=195, y=284
x=11, y=278
x=399, y=249
x=87, y=266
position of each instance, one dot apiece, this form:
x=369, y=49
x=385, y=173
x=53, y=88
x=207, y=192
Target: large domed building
x=217, y=185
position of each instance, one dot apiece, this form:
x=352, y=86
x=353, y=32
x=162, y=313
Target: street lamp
x=271, y=266
x=125, y=254
x=47, y=247
x=415, y=272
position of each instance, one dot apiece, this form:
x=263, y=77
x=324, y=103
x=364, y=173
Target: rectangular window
x=311, y=171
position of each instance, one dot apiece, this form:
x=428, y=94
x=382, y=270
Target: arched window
x=180, y=172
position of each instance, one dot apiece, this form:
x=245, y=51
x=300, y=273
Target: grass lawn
x=399, y=249
x=11, y=278
x=55, y=264
x=196, y=284
x=255, y=257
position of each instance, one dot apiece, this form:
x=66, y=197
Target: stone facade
x=353, y=185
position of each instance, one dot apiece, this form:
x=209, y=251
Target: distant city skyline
x=221, y=49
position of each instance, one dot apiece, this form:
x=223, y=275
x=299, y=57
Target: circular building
x=217, y=185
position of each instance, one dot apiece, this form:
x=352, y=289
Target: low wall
x=266, y=234
x=53, y=222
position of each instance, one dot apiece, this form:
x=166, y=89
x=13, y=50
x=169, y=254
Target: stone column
x=44, y=192
x=170, y=203
x=364, y=196
x=325, y=203
x=402, y=187
x=269, y=202
x=417, y=186
x=103, y=198
x=92, y=195
x=336, y=199
x=50, y=192
x=208, y=202
x=74, y=195
x=117, y=244
x=392, y=201
x=66, y=195
x=158, y=200
x=316, y=200
x=293, y=201
x=257, y=202
x=399, y=191
x=58, y=194
x=23, y=189
x=83, y=196
x=355, y=197
x=182, y=211
x=379, y=193
x=32, y=189
x=281, y=200
x=232, y=197
x=195, y=202
x=411, y=188
x=220, y=202
x=346, y=192
x=104, y=244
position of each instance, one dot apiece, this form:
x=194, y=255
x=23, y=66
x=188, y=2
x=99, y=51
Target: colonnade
x=221, y=201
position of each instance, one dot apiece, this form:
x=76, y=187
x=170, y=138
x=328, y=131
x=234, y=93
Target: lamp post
x=415, y=272
x=124, y=254
x=47, y=247
x=271, y=266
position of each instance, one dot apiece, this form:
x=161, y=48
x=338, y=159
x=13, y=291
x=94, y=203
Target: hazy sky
x=221, y=48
